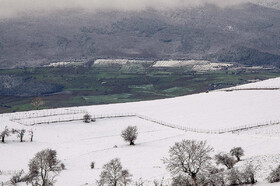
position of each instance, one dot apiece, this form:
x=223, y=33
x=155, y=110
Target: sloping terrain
x=247, y=33
x=78, y=144
x=214, y=110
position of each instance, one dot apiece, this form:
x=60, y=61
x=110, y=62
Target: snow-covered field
x=266, y=84
x=64, y=63
x=78, y=144
x=106, y=62
x=214, y=110
x=196, y=65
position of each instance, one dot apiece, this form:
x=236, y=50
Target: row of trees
x=18, y=132
x=190, y=164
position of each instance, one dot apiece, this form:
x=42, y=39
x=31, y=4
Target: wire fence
x=249, y=88
x=49, y=120
x=64, y=117
x=68, y=115
x=115, y=115
x=209, y=131
x=44, y=113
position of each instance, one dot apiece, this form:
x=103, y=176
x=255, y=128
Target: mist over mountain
x=245, y=33
x=268, y=3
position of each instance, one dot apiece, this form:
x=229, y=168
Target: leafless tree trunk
x=188, y=157
x=37, y=102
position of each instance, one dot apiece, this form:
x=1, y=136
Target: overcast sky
x=9, y=8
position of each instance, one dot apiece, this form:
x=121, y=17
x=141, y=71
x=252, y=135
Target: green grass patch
x=89, y=86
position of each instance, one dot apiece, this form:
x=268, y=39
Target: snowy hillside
x=266, y=84
x=78, y=143
x=213, y=110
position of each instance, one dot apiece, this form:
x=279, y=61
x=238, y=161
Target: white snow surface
x=78, y=144
x=63, y=63
x=196, y=65
x=266, y=84
x=214, y=110
x=118, y=61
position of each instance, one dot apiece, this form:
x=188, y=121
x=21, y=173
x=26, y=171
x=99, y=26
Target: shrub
x=92, y=164
x=234, y=177
x=246, y=176
x=217, y=179
x=62, y=165
x=87, y=118
x=249, y=174
x=225, y=160
x=180, y=180
x=130, y=134
x=17, y=177
x=274, y=176
x=237, y=152
x=213, y=177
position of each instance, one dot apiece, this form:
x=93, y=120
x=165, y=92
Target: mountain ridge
x=193, y=33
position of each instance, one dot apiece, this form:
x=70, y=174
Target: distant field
x=79, y=85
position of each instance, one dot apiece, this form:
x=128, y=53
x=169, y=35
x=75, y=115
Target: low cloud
x=10, y=8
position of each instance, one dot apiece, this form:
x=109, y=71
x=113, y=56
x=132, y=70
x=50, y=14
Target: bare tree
x=4, y=133
x=188, y=157
x=113, y=174
x=130, y=134
x=44, y=167
x=225, y=160
x=31, y=134
x=20, y=133
x=37, y=102
x=87, y=118
x=237, y=152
